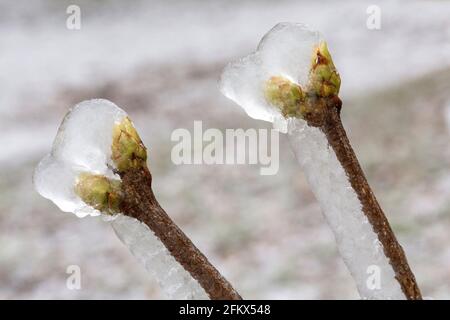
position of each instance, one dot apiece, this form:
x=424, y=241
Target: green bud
x=285, y=95
x=128, y=151
x=99, y=192
x=324, y=78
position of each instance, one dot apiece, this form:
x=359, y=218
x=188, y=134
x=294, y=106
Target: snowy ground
x=161, y=62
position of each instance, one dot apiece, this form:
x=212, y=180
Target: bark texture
x=140, y=203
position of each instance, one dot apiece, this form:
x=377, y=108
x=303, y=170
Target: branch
x=291, y=80
x=337, y=139
x=140, y=203
x=96, y=143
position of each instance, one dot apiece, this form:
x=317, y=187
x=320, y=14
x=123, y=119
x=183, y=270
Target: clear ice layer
x=82, y=144
x=286, y=50
x=174, y=280
x=358, y=244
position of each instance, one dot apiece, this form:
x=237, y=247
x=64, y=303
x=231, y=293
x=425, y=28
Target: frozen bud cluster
x=95, y=141
x=290, y=70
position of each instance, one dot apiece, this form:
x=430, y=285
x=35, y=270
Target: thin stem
x=140, y=203
x=338, y=140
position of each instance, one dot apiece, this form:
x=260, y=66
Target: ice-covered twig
x=98, y=166
x=139, y=202
x=291, y=81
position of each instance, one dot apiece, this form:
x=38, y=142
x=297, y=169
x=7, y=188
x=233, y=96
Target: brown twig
x=140, y=203
x=331, y=125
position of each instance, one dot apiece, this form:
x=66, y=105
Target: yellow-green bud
x=99, y=192
x=285, y=95
x=324, y=78
x=128, y=151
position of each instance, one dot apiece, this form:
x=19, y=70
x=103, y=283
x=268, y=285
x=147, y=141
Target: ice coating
x=174, y=280
x=286, y=50
x=82, y=144
x=357, y=242
x=85, y=136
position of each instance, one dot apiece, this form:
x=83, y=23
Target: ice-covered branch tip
x=98, y=166
x=291, y=80
x=289, y=76
x=127, y=152
x=297, y=102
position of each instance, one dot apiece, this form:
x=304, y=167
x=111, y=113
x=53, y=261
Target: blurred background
x=160, y=61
